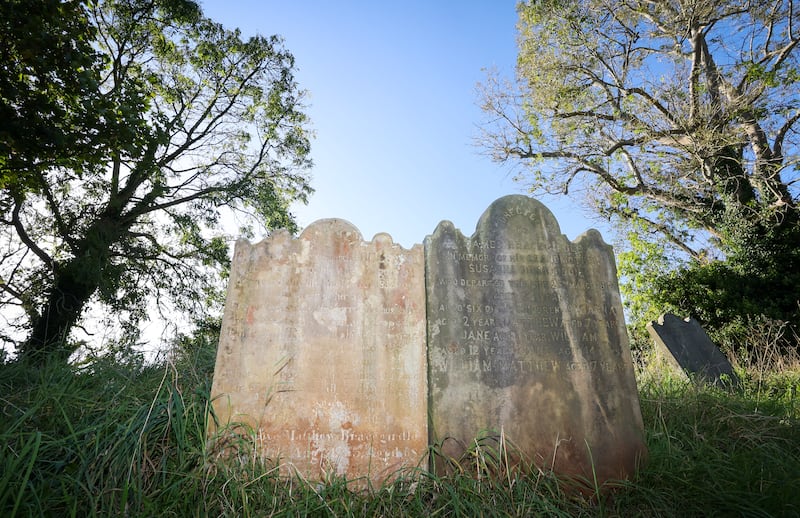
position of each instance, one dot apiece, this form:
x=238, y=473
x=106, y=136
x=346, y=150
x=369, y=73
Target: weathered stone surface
x=686, y=347
x=322, y=350
x=526, y=338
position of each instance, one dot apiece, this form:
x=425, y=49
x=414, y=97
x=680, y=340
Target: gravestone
x=686, y=348
x=322, y=352
x=527, y=343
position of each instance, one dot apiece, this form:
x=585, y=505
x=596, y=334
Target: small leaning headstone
x=686, y=347
x=527, y=344
x=322, y=352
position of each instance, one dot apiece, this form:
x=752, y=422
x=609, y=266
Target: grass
x=125, y=439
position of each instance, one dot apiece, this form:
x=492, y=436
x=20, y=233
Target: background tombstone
x=686, y=348
x=526, y=338
x=322, y=350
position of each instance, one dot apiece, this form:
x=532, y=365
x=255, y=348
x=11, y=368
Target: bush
x=759, y=280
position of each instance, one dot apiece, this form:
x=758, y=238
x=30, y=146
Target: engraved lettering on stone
x=524, y=339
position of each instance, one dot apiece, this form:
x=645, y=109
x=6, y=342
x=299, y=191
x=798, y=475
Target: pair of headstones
x=353, y=358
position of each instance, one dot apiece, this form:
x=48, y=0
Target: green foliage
x=716, y=451
x=168, y=122
x=760, y=277
x=107, y=436
x=638, y=264
x=50, y=111
x=113, y=438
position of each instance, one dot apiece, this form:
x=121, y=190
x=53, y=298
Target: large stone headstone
x=322, y=351
x=686, y=347
x=527, y=340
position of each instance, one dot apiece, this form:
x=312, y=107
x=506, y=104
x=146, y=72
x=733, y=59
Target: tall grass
x=126, y=439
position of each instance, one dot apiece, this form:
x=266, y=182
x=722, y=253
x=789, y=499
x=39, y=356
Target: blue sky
x=392, y=95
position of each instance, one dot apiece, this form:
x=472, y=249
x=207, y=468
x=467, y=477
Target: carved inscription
x=526, y=337
x=322, y=351
x=539, y=325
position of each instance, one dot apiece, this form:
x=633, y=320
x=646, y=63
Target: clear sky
x=392, y=95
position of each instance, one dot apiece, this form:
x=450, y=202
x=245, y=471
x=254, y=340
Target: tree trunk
x=59, y=314
x=75, y=281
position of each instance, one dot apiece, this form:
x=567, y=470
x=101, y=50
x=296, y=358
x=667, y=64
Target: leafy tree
x=187, y=121
x=50, y=110
x=676, y=120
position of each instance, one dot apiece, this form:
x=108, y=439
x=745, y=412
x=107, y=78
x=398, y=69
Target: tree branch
x=633, y=214
x=211, y=123
x=63, y=230
x=777, y=147
x=25, y=238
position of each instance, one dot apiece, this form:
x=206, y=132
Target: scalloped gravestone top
x=322, y=351
x=527, y=345
x=687, y=348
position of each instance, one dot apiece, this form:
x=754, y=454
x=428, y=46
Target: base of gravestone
x=493, y=456
x=237, y=445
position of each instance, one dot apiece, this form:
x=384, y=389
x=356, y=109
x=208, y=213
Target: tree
x=676, y=120
x=49, y=111
x=187, y=121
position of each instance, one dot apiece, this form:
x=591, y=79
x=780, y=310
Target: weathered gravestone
x=322, y=351
x=527, y=341
x=686, y=348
